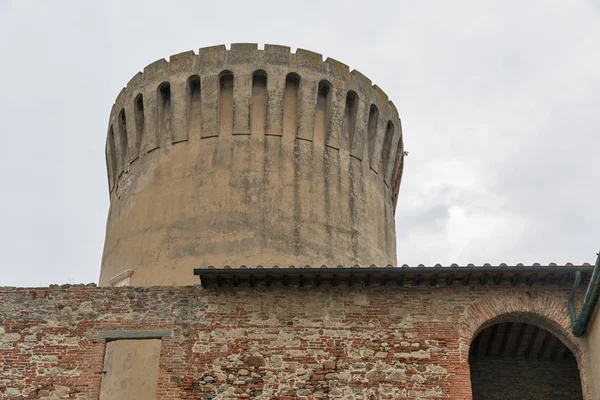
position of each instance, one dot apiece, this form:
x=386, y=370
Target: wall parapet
x=159, y=107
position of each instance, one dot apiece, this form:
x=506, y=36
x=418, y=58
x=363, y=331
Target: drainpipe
x=582, y=321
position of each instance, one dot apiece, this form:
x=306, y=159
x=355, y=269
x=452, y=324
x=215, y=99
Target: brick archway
x=549, y=313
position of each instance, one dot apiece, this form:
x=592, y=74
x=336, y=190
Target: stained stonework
x=268, y=342
x=248, y=156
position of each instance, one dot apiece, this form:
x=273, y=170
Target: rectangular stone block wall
x=277, y=342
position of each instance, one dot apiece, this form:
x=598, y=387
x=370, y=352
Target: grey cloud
x=499, y=103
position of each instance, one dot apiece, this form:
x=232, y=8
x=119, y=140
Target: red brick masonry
x=271, y=342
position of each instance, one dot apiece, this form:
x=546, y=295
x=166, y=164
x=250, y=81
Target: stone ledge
x=135, y=334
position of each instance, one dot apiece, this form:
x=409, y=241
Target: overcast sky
x=499, y=101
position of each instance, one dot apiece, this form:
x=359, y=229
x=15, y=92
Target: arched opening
x=372, y=131
x=259, y=102
x=519, y=360
x=113, y=155
x=322, y=111
x=290, y=105
x=139, y=121
x=226, y=103
x=350, y=117
x=123, y=142
x=387, y=148
x=397, y=171
x=164, y=110
x=194, y=105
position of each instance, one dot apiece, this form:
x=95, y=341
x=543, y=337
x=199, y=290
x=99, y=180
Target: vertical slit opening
x=194, y=105
x=113, y=154
x=139, y=121
x=290, y=105
x=387, y=148
x=165, y=93
x=397, y=172
x=372, y=130
x=123, y=137
x=164, y=110
x=322, y=111
x=259, y=102
x=350, y=118
x=226, y=103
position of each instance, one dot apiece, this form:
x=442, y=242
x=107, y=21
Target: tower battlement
x=248, y=156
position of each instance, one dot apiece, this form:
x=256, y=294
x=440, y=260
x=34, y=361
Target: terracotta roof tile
x=511, y=274
x=388, y=266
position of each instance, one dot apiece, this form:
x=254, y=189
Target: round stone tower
x=249, y=157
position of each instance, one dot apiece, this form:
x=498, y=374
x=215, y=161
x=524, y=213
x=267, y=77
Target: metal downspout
x=582, y=321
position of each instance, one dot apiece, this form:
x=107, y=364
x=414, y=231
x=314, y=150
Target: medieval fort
x=250, y=254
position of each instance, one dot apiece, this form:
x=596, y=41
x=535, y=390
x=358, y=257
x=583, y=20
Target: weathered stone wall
x=593, y=335
x=507, y=379
x=210, y=165
x=280, y=342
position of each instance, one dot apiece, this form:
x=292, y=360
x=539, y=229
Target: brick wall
x=505, y=378
x=277, y=342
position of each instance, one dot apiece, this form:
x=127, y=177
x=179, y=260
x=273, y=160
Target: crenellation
x=135, y=83
x=209, y=58
x=119, y=103
x=212, y=57
x=361, y=83
x=308, y=59
x=277, y=55
x=181, y=62
x=393, y=111
x=242, y=53
x=241, y=97
x=379, y=97
x=155, y=71
x=337, y=69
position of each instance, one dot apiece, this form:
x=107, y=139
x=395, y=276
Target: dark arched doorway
x=517, y=360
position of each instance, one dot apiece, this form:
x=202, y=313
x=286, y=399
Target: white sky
x=499, y=100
